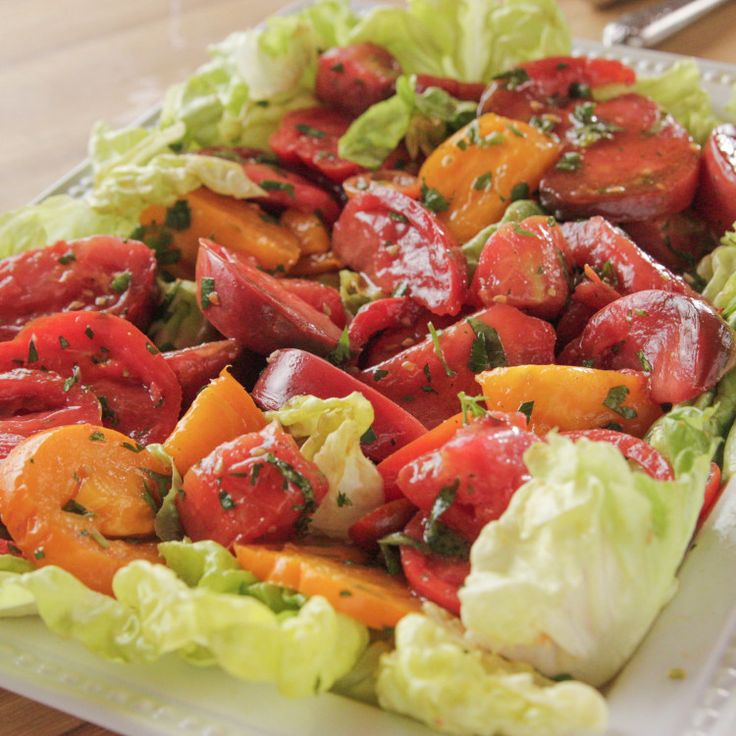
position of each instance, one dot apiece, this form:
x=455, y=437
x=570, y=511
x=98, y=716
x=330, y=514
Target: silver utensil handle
x=651, y=25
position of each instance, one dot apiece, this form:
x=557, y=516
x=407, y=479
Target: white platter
x=695, y=633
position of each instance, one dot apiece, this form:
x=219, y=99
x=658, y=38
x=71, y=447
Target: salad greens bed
x=616, y=535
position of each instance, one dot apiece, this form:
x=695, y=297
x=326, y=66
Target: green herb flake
x=63, y=342
x=379, y=374
x=369, y=436
x=513, y=78
x=226, y=500
x=152, y=349
x=526, y=408
x=308, y=130
x=149, y=499
x=645, y=364
x=277, y=186
x=397, y=216
x=135, y=448
x=515, y=130
x=439, y=538
x=339, y=67
x=97, y=436
x=519, y=230
x=341, y=354
x=108, y=414
x=483, y=182
x=579, y=91
x=74, y=378
x=32, y=352
x=472, y=406
x=435, y=335
x=255, y=471
x=343, y=500
x=89, y=332
x=121, y=281
x=432, y=199
x=589, y=128
x=67, y=258
x=73, y=507
x=293, y=476
x=520, y=191
x=569, y=161
x=486, y=351
x=39, y=553
x=179, y=216
x=97, y=536
x=207, y=293
x=615, y=399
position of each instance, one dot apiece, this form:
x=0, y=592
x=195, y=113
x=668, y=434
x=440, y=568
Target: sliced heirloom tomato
x=426, y=378
x=572, y=398
x=525, y=265
x=34, y=400
x=611, y=253
x=626, y=160
x=352, y=78
x=716, y=196
x=101, y=273
x=82, y=498
x=256, y=309
x=386, y=519
x=485, y=166
x=296, y=373
x=399, y=244
x=713, y=489
x=468, y=91
x=681, y=342
x=257, y=487
x=323, y=298
x=138, y=392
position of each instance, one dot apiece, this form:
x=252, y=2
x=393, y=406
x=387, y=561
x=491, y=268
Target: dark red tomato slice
x=468, y=91
x=398, y=243
x=382, y=314
x=526, y=265
x=258, y=487
x=352, y=78
x=712, y=493
x=323, y=298
x=138, y=392
x=614, y=256
x=483, y=462
x=435, y=578
x=593, y=292
x=369, y=181
x=99, y=274
x=8, y=548
x=684, y=342
x=716, y=197
x=34, y=400
x=426, y=378
x=632, y=448
x=678, y=241
x=391, y=517
x=539, y=88
x=295, y=373
x=310, y=137
x=646, y=165
x=572, y=322
x=196, y=366
x=245, y=303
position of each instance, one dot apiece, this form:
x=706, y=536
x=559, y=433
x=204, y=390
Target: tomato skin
x=221, y=500
x=712, y=493
x=525, y=265
x=642, y=453
x=34, y=400
x=369, y=181
x=483, y=461
x=379, y=315
x=397, y=241
x=352, y=78
x=391, y=517
x=468, y=91
x=596, y=242
x=660, y=168
x=255, y=308
x=139, y=394
x=687, y=344
x=195, y=366
x=572, y=322
x=295, y=372
x=435, y=578
x=716, y=195
x=404, y=377
x=323, y=298
x=74, y=276
x=593, y=292
x=310, y=138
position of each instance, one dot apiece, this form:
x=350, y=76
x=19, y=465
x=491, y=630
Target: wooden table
x=64, y=65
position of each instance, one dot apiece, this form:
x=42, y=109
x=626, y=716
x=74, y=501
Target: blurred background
x=64, y=65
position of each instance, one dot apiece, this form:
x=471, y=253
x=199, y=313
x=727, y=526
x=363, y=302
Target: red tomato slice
x=572, y=322
x=382, y=314
x=683, y=342
x=295, y=373
x=196, y=366
x=611, y=253
x=352, y=78
x=716, y=196
x=8, y=548
x=398, y=243
x=34, y=400
x=98, y=274
x=256, y=309
x=310, y=137
x=712, y=493
x=258, y=487
x=391, y=517
x=593, y=292
x=435, y=578
x=425, y=379
x=323, y=298
x=632, y=448
x=469, y=91
x=645, y=167
x=138, y=392
x=525, y=265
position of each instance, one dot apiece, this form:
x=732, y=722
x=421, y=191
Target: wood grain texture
x=64, y=65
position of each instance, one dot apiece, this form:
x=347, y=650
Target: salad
x=395, y=360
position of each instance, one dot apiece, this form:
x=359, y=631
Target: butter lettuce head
x=332, y=429
x=718, y=269
x=202, y=609
x=435, y=677
x=573, y=574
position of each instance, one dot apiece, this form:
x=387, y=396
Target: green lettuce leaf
x=179, y=322
x=356, y=290
x=333, y=429
x=718, y=270
x=436, y=677
x=166, y=523
x=616, y=538
x=470, y=40
x=206, y=616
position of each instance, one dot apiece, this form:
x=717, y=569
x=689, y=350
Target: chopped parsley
x=277, y=186
x=207, y=291
x=519, y=230
x=108, y=414
x=369, y=436
x=472, y=406
x=645, y=364
x=121, y=281
x=589, y=128
x=520, y=191
x=74, y=378
x=136, y=448
x=67, y=258
x=343, y=500
x=379, y=374
x=569, y=161
x=339, y=67
x=486, y=351
x=63, y=342
x=438, y=350
x=32, y=352
x=526, y=408
x=293, y=476
x=310, y=131
x=179, y=216
x=579, y=91
x=615, y=399
x=432, y=199
x=397, y=216
x=341, y=353
x=89, y=332
x=39, y=553
x=226, y=500
x=483, y=182
x=514, y=78
x=439, y=538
